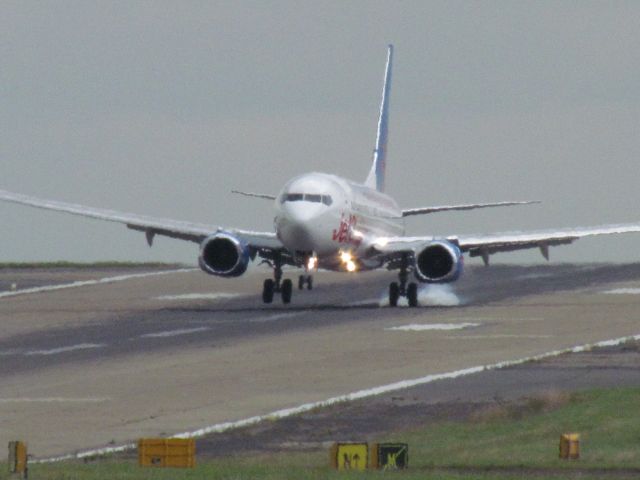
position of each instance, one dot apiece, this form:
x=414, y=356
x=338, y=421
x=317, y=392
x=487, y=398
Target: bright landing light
x=312, y=263
x=347, y=260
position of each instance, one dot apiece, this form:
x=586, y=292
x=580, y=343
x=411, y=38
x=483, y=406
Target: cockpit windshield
x=306, y=197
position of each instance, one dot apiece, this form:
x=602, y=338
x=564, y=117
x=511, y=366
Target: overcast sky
x=163, y=108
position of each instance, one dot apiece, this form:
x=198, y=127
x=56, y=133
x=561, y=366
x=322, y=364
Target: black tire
x=267, y=290
x=394, y=294
x=310, y=282
x=412, y=294
x=287, y=290
x=301, y=282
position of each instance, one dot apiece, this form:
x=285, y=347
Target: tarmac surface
x=147, y=352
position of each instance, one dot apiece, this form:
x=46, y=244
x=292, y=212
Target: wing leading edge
x=486, y=245
x=469, y=206
x=151, y=226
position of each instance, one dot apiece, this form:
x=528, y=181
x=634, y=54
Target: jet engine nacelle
x=224, y=255
x=439, y=262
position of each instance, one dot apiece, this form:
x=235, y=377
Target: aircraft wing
x=486, y=245
x=469, y=206
x=151, y=226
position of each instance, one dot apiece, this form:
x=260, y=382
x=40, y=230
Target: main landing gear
x=277, y=285
x=402, y=289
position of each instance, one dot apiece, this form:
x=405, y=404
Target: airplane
x=324, y=221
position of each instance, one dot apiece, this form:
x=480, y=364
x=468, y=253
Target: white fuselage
x=325, y=215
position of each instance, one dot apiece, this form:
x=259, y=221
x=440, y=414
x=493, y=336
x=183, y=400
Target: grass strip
x=511, y=441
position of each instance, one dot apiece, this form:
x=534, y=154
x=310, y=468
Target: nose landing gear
x=402, y=289
x=277, y=285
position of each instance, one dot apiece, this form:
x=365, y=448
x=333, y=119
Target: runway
x=105, y=363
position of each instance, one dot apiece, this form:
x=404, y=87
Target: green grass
x=607, y=420
x=509, y=437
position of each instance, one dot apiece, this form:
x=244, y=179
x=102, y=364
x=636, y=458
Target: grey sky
x=162, y=108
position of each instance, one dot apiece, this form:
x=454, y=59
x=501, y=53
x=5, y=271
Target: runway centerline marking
x=70, y=348
x=623, y=291
x=199, y=296
x=370, y=392
x=174, y=333
x=274, y=317
x=87, y=283
x=419, y=327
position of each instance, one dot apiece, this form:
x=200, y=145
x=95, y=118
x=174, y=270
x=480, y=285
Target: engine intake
x=438, y=262
x=224, y=255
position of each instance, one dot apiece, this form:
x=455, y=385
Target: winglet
x=375, y=179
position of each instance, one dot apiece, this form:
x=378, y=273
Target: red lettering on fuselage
x=344, y=232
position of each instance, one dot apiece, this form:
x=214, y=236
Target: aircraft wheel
x=287, y=290
x=412, y=294
x=394, y=294
x=310, y=282
x=267, y=290
x=301, y=282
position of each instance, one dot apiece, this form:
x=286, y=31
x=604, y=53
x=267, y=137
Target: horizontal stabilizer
x=265, y=196
x=470, y=206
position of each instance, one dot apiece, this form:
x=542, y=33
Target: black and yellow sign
x=18, y=459
x=389, y=456
x=350, y=456
x=570, y=446
x=167, y=452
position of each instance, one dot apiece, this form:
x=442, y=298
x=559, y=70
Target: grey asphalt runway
x=107, y=362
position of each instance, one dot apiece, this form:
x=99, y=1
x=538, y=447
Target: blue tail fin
x=376, y=175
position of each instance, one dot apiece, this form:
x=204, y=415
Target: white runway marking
x=392, y=387
x=87, y=283
x=274, y=317
x=623, y=291
x=481, y=337
x=361, y=303
x=13, y=351
x=199, y=296
x=174, y=333
x=71, y=348
x=53, y=400
x=418, y=327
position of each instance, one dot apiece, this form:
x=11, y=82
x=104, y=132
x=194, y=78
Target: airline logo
x=344, y=232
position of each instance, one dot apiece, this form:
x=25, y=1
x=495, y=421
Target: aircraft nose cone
x=301, y=213
x=296, y=226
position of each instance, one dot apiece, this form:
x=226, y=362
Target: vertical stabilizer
x=376, y=175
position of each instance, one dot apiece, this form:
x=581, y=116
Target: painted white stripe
x=174, y=333
x=271, y=318
x=53, y=400
x=481, y=337
x=12, y=351
x=624, y=291
x=71, y=348
x=418, y=327
x=199, y=296
x=87, y=283
x=361, y=303
x=392, y=387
